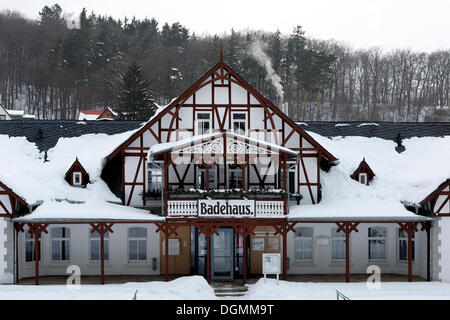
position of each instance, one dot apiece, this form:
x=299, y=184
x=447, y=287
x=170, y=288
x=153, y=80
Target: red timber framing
x=12, y=198
x=102, y=228
x=77, y=167
x=430, y=202
x=348, y=226
x=220, y=75
x=363, y=167
x=208, y=227
x=241, y=226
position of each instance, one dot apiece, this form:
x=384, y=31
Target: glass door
x=222, y=254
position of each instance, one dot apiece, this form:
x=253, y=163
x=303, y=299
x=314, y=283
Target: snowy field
x=196, y=288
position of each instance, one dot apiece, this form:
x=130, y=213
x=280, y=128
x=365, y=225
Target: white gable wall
x=202, y=100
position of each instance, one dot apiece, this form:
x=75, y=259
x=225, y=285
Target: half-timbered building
x=213, y=181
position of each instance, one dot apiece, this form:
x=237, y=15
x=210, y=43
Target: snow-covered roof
x=25, y=172
x=167, y=146
x=401, y=177
x=360, y=209
x=91, y=210
x=89, y=114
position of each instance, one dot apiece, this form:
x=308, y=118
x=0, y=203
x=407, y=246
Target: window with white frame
x=2, y=117
x=377, y=243
x=234, y=176
x=363, y=178
x=60, y=241
x=337, y=244
x=203, y=123
x=303, y=244
x=137, y=244
x=403, y=245
x=154, y=179
x=29, y=247
x=77, y=178
x=239, y=122
x=95, y=246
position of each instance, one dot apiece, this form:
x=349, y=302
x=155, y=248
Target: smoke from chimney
x=257, y=51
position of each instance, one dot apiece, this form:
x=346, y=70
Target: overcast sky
x=417, y=24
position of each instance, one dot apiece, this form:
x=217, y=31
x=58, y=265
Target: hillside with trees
x=52, y=68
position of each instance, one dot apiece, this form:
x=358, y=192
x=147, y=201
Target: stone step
x=231, y=294
x=235, y=289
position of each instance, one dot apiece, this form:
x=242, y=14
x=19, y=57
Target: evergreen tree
x=135, y=101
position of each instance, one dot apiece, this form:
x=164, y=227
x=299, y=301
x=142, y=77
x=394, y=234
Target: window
x=303, y=243
x=377, y=243
x=95, y=250
x=337, y=244
x=2, y=117
x=29, y=247
x=137, y=244
x=60, y=238
x=77, y=179
x=291, y=178
x=203, y=123
x=363, y=178
x=239, y=123
x=234, y=176
x=403, y=245
x=201, y=183
x=154, y=178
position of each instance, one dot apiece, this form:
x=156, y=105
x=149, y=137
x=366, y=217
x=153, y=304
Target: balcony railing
x=263, y=208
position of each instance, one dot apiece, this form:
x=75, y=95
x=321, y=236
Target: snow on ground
x=284, y=290
x=409, y=176
x=197, y=288
x=184, y=288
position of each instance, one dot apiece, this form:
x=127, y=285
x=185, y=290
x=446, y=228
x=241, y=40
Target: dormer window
x=76, y=175
x=363, y=178
x=77, y=179
x=363, y=173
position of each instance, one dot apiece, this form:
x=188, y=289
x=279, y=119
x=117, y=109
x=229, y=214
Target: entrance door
x=222, y=255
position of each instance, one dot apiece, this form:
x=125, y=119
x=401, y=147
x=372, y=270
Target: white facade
x=322, y=262
x=117, y=264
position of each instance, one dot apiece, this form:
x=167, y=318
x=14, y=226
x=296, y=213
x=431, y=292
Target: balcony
x=191, y=208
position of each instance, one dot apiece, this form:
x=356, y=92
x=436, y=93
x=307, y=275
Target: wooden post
x=17, y=254
x=347, y=256
x=36, y=257
x=166, y=252
x=347, y=228
x=102, y=256
x=428, y=253
x=208, y=256
x=244, y=257
x=285, y=253
x=410, y=233
x=166, y=183
x=207, y=177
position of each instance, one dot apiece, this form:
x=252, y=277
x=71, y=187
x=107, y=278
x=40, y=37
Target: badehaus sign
x=226, y=208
